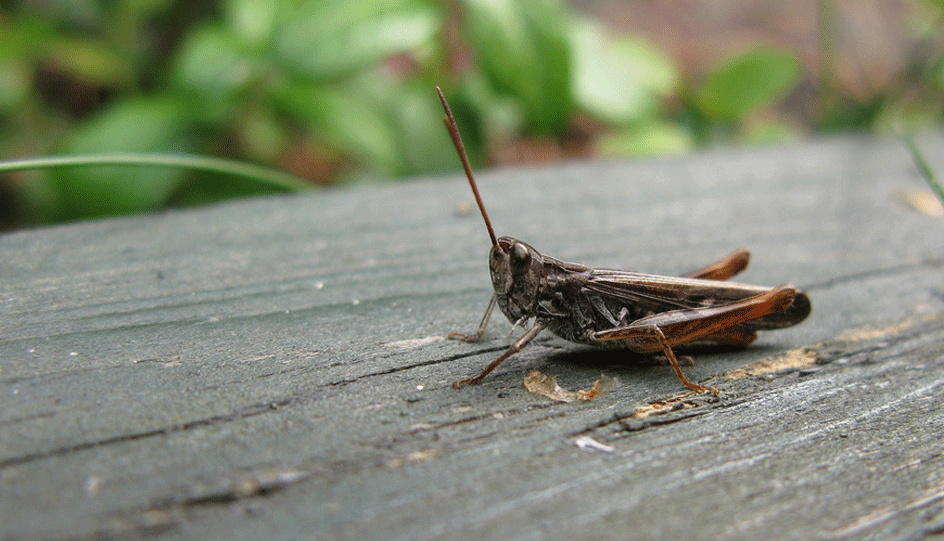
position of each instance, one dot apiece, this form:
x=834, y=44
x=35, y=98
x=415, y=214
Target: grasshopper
x=646, y=313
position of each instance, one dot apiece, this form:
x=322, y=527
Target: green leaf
x=335, y=38
x=935, y=5
x=212, y=188
x=425, y=147
x=15, y=84
x=748, y=82
x=499, y=117
x=523, y=46
x=618, y=81
x=652, y=138
x=91, y=61
x=647, y=64
x=252, y=22
x=134, y=125
x=76, y=13
x=211, y=68
x=24, y=37
x=263, y=137
x=145, y=8
x=141, y=125
x=348, y=120
x=769, y=132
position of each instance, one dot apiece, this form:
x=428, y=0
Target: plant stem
x=186, y=161
x=923, y=166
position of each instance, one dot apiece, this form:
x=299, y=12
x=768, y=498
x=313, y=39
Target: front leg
x=481, y=332
x=515, y=348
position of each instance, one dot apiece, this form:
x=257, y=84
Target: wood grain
x=276, y=368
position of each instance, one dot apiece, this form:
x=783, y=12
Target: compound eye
x=520, y=255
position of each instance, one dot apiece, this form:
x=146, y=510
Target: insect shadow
x=623, y=363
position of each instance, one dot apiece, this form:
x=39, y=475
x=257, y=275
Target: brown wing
x=658, y=293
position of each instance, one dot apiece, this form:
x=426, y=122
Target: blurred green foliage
x=338, y=91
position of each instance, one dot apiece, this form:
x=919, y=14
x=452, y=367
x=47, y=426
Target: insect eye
x=520, y=255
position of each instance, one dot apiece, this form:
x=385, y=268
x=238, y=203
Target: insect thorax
x=573, y=313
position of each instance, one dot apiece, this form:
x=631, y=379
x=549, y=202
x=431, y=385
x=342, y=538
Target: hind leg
x=662, y=331
x=724, y=268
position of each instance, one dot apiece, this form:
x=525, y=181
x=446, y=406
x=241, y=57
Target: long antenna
x=450, y=123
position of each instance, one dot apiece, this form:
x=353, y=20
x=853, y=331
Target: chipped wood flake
x=538, y=383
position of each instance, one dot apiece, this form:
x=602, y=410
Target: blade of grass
x=923, y=166
x=200, y=163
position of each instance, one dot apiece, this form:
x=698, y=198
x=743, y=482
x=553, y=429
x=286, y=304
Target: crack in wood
x=240, y=413
x=169, y=513
x=431, y=362
x=881, y=272
x=255, y=483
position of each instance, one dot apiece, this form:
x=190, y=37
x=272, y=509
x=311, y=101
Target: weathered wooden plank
x=276, y=368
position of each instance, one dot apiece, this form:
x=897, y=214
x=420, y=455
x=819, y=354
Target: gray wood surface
x=276, y=368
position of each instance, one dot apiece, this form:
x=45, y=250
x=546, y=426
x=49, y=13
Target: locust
x=645, y=313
